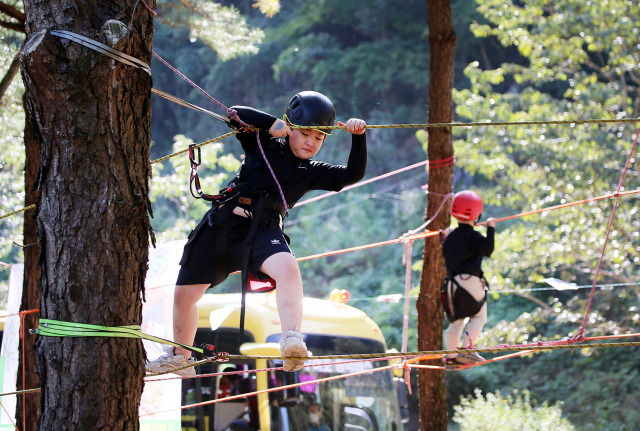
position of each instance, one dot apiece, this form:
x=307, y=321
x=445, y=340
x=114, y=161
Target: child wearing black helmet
x=464, y=291
x=244, y=229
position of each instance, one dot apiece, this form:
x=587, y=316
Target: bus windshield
x=365, y=402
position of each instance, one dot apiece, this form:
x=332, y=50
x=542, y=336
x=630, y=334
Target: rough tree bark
x=91, y=118
x=442, y=41
x=28, y=407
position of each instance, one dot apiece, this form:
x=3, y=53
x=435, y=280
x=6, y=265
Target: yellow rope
x=161, y=159
x=177, y=153
x=431, y=353
x=495, y=349
x=485, y=123
x=398, y=126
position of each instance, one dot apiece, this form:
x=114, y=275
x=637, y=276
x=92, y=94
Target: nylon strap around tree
x=103, y=49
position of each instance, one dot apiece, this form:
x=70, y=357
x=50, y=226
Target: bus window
x=220, y=416
x=366, y=402
x=357, y=419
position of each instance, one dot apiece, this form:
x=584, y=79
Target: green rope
x=55, y=328
x=58, y=328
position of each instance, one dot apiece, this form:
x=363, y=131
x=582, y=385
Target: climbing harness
x=258, y=205
x=458, y=303
x=195, y=160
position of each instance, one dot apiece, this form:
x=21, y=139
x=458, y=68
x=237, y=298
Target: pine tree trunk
x=442, y=41
x=28, y=409
x=92, y=121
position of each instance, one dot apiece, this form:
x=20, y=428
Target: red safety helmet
x=466, y=205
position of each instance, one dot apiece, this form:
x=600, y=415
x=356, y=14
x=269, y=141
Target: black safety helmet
x=310, y=108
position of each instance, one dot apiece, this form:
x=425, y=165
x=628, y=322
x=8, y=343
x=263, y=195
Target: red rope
x=234, y=116
x=9, y=416
x=431, y=164
x=153, y=12
x=166, y=63
x=24, y=369
x=442, y=163
x=617, y=194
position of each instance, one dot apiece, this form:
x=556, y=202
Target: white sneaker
x=169, y=361
x=469, y=358
x=293, y=346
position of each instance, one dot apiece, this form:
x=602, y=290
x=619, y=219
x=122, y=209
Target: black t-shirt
x=296, y=176
x=464, y=249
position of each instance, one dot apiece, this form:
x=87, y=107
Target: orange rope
x=411, y=363
x=569, y=204
x=35, y=310
x=280, y=388
x=428, y=234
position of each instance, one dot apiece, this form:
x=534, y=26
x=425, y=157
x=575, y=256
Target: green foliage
x=572, y=64
x=531, y=167
x=515, y=61
x=222, y=28
x=493, y=412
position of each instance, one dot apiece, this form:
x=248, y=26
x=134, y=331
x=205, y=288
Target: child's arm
x=489, y=241
x=357, y=163
x=254, y=117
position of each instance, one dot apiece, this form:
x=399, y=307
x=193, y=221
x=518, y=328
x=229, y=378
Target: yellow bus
x=367, y=402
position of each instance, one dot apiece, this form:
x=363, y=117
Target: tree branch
x=534, y=299
x=11, y=73
x=12, y=12
x=15, y=26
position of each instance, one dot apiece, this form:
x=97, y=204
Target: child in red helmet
x=464, y=291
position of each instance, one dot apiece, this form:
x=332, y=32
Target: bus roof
x=320, y=316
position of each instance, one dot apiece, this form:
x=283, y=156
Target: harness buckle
x=210, y=351
x=192, y=156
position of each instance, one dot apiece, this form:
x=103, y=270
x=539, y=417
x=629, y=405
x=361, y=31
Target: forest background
x=515, y=61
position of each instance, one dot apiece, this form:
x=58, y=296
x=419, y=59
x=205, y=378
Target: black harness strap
x=221, y=219
x=246, y=253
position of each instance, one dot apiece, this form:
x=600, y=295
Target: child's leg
x=283, y=268
x=454, y=332
x=474, y=328
x=185, y=314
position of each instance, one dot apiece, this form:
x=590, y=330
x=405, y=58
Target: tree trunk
x=28, y=409
x=442, y=41
x=92, y=121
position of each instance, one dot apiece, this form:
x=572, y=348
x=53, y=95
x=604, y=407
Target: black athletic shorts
x=200, y=264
